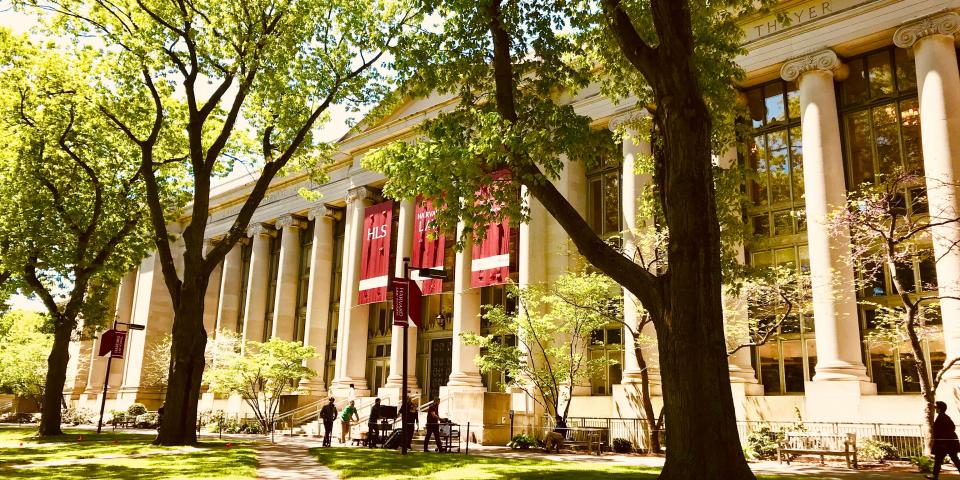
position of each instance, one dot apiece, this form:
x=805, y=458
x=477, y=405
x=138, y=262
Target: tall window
x=272, y=286
x=774, y=161
x=607, y=343
x=303, y=281
x=881, y=130
x=603, y=197
x=245, y=251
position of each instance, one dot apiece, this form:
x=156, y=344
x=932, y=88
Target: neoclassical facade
x=848, y=90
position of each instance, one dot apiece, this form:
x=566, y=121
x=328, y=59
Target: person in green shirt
x=348, y=416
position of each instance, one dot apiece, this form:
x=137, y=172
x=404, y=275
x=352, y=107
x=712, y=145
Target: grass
x=96, y=457
x=362, y=463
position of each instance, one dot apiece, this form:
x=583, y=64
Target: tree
x=262, y=375
x=24, y=345
x=769, y=299
x=887, y=233
x=508, y=62
x=542, y=347
x=73, y=220
x=226, y=80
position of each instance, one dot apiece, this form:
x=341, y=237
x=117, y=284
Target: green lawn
x=19, y=448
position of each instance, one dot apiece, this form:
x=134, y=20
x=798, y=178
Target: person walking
x=945, y=442
x=372, y=432
x=433, y=426
x=409, y=414
x=328, y=414
x=348, y=416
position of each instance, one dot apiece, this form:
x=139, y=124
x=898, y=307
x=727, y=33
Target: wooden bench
x=590, y=439
x=818, y=444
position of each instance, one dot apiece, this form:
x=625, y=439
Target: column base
x=841, y=372
x=340, y=388
x=482, y=410
x=390, y=394
x=460, y=379
x=835, y=401
x=633, y=380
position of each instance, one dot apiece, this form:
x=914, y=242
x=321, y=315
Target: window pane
x=937, y=355
x=782, y=223
x=793, y=100
x=614, y=336
x=811, y=358
x=910, y=132
x=881, y=74
x=858, y=141
x=884, y=375
x=908, y=369
x=758, y=163
x=777, y=150
x=596, y=205
x=928, y=273
x=769, y=367
x=906, y=70
x=803, y=252
x=870, y=318
x=886, y=137
x=855, y=86
x=763, y=259
x=796, y=163
x=773, y=102
x=611, y=202
x=873, y=280
x=786, y=257
x=905, y=276
x=755, y=106
x=761, y=225
x=793, y=366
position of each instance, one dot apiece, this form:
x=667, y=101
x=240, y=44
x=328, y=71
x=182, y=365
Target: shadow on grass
x=235, y=463
x=389, y=464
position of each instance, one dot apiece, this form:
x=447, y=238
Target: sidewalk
x=289, y=459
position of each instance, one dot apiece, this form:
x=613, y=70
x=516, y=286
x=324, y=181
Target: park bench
x=590, y=439
x=818, y=444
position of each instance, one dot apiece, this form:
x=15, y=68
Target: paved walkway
x=289, y=459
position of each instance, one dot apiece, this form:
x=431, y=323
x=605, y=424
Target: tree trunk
x=56, y=377
x=651, y=426
x=179, y=426
x=701, y=429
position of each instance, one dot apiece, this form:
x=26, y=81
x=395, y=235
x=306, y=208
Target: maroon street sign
x=113, y=342
x=401, y=301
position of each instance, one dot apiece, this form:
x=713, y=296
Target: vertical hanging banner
x=491, y=258
x=375, y=253
x=113, y=342
x=428, y=245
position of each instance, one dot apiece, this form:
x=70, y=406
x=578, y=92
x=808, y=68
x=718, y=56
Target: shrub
x=878, y=451
x=762, y=443
x=76, y=416
x=136, y=409
x=622, y=445
x=924, y=463
x=521, y=441
x=147, y=420
x=234, y=425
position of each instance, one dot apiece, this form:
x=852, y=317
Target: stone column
x=633, y=185
x=352, y=332
x=464, y=372
x=231, y=283
x=288, y=274
x=123, y=313
x=404, y=249
x=834, y=294
x=258, y=281
x=318, y=296
x=212, y=297
x=938, y=85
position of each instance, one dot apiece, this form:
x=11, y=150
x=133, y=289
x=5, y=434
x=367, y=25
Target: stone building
x=835, y=97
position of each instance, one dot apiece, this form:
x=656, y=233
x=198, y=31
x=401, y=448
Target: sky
x=334, y=129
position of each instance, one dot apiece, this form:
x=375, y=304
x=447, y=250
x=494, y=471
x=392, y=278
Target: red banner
x=491, y=257
x=113, y=342
x=401, y=301
x=428, y=246
x=375, y=253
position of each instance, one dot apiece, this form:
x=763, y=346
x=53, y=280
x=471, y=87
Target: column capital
x=624, y=119
x=261, y=229
x=288, y=220
x=357, y=194
x=825, y=60
x=324, y=212
x=943, y=23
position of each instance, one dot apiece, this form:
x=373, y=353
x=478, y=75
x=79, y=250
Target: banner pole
x=106, y=383
x=404, y=407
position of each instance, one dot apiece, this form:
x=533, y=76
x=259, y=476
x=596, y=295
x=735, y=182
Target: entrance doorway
x=441, y=357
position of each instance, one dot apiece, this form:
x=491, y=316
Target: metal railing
x=909, y=439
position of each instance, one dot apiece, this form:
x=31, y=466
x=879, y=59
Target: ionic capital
x=944, y=23
x=288, y=221
x=358, y=194
x=823, y=60
x=323, y=212
x=625, y=119
x=261, y=229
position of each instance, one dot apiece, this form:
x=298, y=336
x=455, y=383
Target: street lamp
x=122, y=343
